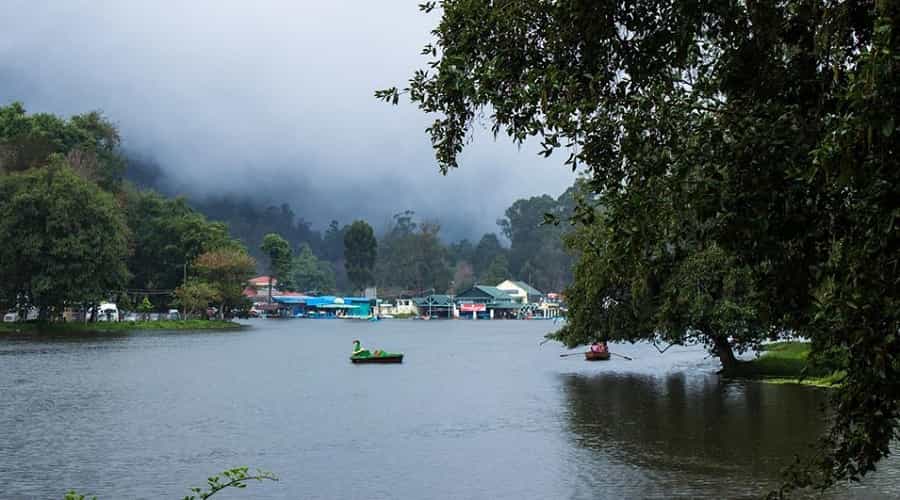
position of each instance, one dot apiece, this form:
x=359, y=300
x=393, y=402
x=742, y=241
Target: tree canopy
x=63, y=240
x=747, y=149
x=360, y=251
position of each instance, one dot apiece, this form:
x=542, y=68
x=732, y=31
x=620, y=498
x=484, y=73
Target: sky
x=271, y=99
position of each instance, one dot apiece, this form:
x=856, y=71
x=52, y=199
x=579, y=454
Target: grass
x=190, y=324
x=789, y=363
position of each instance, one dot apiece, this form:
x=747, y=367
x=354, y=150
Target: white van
x=108, y=312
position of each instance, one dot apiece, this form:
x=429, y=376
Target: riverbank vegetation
x=790, y=362
x=741, y=175
x=107, y=326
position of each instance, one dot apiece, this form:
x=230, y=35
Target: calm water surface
x=477, y=410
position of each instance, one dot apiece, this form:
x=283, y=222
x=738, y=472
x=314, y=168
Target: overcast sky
x=269, y=98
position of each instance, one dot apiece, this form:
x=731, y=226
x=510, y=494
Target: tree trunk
x=725, y=353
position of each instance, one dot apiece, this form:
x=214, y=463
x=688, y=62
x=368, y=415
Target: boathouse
x=435, y=306
x=486, y=302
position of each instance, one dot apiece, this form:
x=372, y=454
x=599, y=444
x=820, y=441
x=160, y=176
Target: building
x=487, y=302
x=325, y=307
x=436, y=306
x=258, y=288
x=522, y=292
x=398, y=307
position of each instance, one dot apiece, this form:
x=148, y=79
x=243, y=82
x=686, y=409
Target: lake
x=478, y=409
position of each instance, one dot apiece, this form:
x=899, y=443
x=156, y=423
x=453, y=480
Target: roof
x=530, y=290
x=434, y=300
x=261, y=280
x=491, y=291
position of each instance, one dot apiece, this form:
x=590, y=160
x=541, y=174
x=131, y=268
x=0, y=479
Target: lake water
x=476, y=410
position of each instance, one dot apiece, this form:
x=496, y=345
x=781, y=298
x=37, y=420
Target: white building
x=522, y=292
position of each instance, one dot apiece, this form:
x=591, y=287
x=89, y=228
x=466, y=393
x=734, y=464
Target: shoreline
x=183, y=325
x=785, y=363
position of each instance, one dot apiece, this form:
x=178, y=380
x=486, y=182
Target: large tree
x=727, y=141
x=63, y=241
x=360, y=251
x=227, y=270
x=310, y=274
x=278, y=250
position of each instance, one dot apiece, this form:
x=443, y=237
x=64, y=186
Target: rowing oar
x=577, y=353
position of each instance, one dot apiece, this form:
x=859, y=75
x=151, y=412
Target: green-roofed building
x=485, y=302
x=435, y=306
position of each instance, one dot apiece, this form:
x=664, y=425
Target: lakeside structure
x=508, y=300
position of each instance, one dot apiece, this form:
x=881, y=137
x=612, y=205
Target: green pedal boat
x=385, y=357
x=361, y=355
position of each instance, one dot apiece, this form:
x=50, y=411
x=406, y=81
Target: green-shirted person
x=359, y=352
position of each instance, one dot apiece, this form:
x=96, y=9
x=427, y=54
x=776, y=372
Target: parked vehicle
x=107, y=311
x=132, y=317
x=173, y=315
x=11, y=317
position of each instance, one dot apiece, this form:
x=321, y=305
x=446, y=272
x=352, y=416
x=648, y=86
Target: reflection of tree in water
x=694, y=426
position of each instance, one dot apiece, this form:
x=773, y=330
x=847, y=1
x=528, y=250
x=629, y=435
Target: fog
x=268, y=99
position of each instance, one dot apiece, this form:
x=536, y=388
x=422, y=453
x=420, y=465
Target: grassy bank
x=191, y=324
x=789, y=363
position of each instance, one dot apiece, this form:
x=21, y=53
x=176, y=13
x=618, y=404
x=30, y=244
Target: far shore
x=103, y=326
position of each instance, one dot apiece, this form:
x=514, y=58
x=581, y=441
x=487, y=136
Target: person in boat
x=359, y=352
x=599, y=347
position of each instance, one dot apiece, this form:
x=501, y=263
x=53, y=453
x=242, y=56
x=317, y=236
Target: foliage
x=66, y=239
x=231, y=478
x=536, y=252
x=167, y=235
x=497, y=272
x=750, y=141
x=227, y=270
x=360, y=252
x=412, y=256
x=311, y=274
x=278, y=250
x=145, y=307
x=116, y=326
x=195, y=296
x=485, y=253
x=250, y=221
x=88, y=141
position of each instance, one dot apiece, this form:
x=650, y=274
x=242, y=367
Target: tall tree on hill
x=62, y=240
x=278, y=250
x=750, y=141
x=360, y=251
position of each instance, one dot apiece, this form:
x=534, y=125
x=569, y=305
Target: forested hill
x=412, y=255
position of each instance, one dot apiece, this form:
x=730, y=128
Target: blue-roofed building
x=326, y=306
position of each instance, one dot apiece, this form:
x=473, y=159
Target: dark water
x=477, y=410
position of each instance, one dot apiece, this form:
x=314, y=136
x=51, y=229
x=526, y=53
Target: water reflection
x=693, y=434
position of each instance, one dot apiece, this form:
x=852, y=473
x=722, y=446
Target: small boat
x=596, y=356
x=388, y=357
